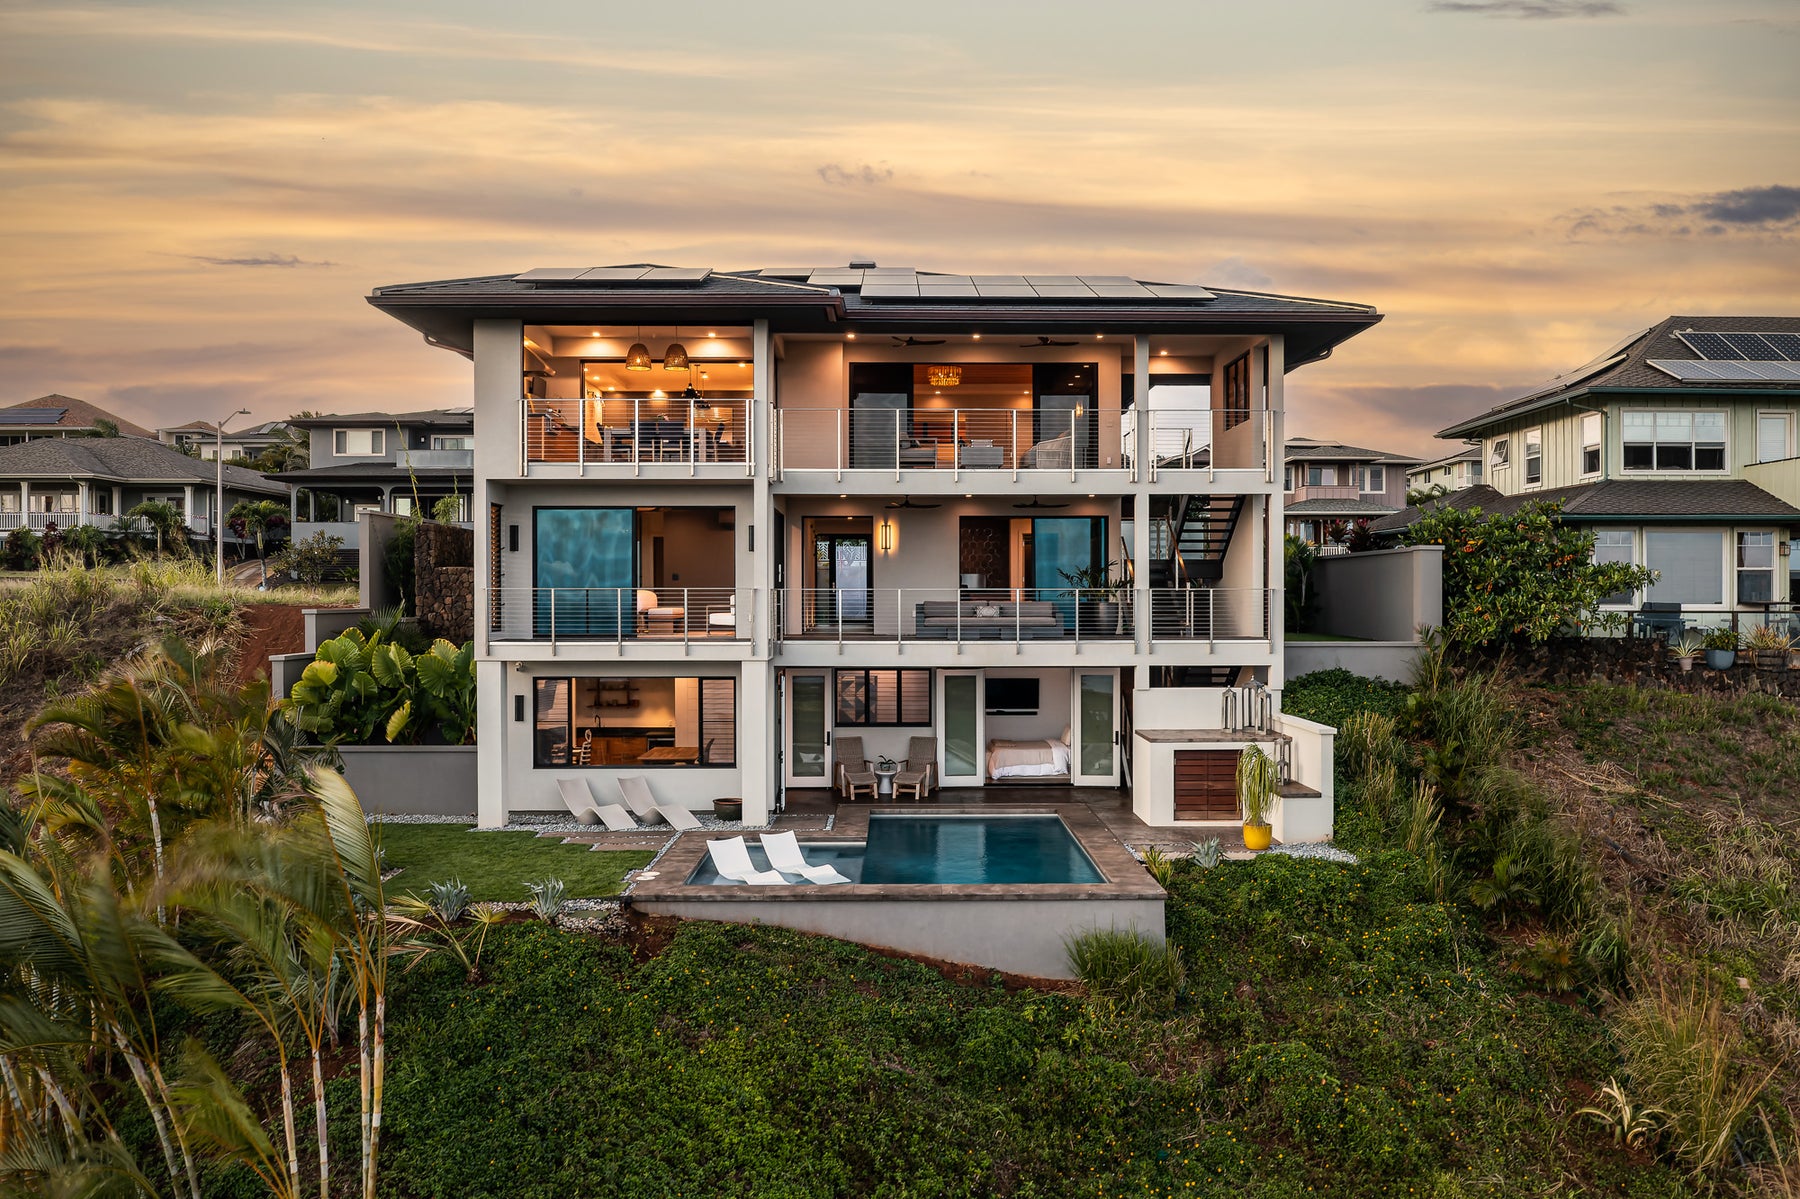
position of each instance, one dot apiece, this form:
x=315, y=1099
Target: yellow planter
x=1256, y=836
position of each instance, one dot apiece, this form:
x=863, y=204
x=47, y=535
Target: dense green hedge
x=1333, y=696
x=1338, y=1035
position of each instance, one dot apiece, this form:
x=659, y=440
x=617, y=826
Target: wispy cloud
x=1753, y=211
x=1530, y=10
x=280, y=260
x=865, y=174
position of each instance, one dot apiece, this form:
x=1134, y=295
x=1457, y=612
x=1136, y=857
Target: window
x=1534, y=456
x=1772, y=436
x=1663, y=440
x=1321, y=476
x=1374, y=478
x=1501, y=454
x=883, y=697
x=1590, y=443
x=635, y=722
x=1690, y=565
x=359, y=443
x=1755, y=568
x=1287, y=478
x=1616, y=545
x=1235, y=400
x=1475, y=472
x=441, y=442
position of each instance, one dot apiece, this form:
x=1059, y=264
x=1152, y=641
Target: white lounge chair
x=784, y=854
x=579, y=800
x=731, y=858
x=636, y=790
x=617, y=819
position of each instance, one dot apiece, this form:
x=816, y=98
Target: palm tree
x=164, y=518
x=257, y=517
x=292, y=452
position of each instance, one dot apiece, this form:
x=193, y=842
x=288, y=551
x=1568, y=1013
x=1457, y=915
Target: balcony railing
x=1204, y=439
x=636, y=433
x=62, y=520
x=1058, y=616
x=674, y=615
x=896, y=440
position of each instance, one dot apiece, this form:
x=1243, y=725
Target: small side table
x=884, y=782
x=728, y=809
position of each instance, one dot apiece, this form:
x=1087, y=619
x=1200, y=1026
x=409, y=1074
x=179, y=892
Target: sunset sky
x=196, y=197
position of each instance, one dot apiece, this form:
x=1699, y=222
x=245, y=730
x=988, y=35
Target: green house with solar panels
x=1677, y=449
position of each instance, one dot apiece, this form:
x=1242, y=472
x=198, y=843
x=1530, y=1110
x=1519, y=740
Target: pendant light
x=637, y=358
x=675, y=357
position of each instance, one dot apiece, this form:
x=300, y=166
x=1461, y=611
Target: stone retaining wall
x=444, y=581
x=1646, y=664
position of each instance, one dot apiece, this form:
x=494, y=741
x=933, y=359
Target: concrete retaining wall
x=1371, y=659
x=1383, y=595
x=1299, y=818
x=412, y=780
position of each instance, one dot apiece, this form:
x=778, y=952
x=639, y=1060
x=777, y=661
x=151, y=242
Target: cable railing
x=692, y=432
x=1068, y=616
x=897, y=440
x=678, y=615
x=1206, y=439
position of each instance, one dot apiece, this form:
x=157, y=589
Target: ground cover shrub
x=360, y=690
x=1127, y=969
x=1334, y=696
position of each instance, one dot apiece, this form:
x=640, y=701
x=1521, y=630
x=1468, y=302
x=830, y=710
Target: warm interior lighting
x=1164, y=353
x=887, y=536
x=976, y=336
x=637, y=358
x=850, y=337
x=675, y=357
x=943, y=376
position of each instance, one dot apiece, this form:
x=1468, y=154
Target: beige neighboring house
x=1677, y=449
x=1452, y=472
x=1327, y=482
x=58, y=416
x=203, y=439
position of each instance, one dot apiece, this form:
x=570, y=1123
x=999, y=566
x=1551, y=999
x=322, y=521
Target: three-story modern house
x=1676, y=448
x=731, y=524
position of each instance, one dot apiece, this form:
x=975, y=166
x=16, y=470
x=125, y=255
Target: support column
x=1140, y=475
x=187, y=503
x=496, y=688
x=24, y=504
x=81, y=502
x=118, y=503
x=1277, y=541
x=756, y=740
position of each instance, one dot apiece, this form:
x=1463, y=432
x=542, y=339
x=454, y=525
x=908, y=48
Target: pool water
x=923, y=849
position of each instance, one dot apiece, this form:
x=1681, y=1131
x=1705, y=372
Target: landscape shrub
x=357, y=687
x=1333, y=696
x=23, y=549
x=1128, y=969
x=311, y=559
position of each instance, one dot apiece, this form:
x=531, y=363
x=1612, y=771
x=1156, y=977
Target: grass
x=495, y=866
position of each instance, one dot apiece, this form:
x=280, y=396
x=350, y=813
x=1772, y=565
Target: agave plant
x=546, y=899
x=450, y=899
x=1689, y=647
x=1207, y=853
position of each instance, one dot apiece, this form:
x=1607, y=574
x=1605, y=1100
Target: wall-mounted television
x=1012, y=697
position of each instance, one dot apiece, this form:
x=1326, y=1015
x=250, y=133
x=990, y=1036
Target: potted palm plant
x=1687, y=649
x=1768, y=647
x=1259, y=794
x=1721, y=648
x=1096, y=590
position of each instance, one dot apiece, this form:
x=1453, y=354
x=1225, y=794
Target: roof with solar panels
x=1700, y=353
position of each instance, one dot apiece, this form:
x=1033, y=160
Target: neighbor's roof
x=267, y=428
x=119, y=460
x=1627, y=367
x=1471, y=454
x=1617, y=499
x=458, y=417
x=863, y=295
x=1302, y=449
x=370, y=472
x=1336, y=508
x=64, y=412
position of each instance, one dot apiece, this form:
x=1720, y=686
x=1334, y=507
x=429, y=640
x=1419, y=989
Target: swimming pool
x=927, y=849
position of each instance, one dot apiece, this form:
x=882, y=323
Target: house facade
x=1326, y=483
x=95, y=480
x=203, y=440
x=1677, y=449
x=397, y=462
x=1452, y=472
x=733, y=525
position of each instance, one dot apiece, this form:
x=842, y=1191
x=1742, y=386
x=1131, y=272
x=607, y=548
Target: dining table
x=671, y=753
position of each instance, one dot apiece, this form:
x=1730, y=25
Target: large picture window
x=359, y=443
x=584, y=571
x=1690, y=565
x=1661, y=440
x=635, y=721
x=883, y=697
x=1616, y=545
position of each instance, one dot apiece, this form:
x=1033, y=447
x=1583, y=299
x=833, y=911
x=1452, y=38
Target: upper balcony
x=638, y=437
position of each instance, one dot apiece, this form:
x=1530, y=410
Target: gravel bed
x=373, y=818
x=551, y=822
x=1322, y=851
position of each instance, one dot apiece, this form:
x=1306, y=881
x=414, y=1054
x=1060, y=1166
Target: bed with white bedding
x=1027, y=759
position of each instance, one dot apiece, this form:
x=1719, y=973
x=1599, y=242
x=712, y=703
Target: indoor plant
x=1721, y=647
x=1259, y=794
x=1097, y=590
x=1687, y=649
x=1769, y=647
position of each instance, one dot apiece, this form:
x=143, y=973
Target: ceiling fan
x=910, y=340
x=1037, y=503
x=907, y=502
x=1043, y=341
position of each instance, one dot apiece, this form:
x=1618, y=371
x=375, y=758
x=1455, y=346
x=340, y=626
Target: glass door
x=584, y=572
x=962, y=744
x=1063, y=546
x=1096, y=760
x=841, y=566
x=807, y=762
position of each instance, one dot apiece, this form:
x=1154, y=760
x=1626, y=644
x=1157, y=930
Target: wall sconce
x=1787, y=547
x=886, y=533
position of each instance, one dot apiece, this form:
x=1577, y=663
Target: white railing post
x=1014, y=449
x=841, y=430
x=581, y=436
x=897, y=413
x=956, y=473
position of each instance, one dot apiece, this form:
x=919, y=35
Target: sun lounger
x=579, y=800
x=784, y=854
x=636, y=790
x=731, y=858
x=678, y=816
x=616, y=818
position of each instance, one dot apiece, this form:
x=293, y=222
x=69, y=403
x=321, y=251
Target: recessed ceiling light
x=850, y=336
x=1099, y=337
x=977, y=336
x=1164, y=353
x=712, y=334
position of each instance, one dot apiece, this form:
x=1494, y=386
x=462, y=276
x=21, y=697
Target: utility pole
x=219, y=502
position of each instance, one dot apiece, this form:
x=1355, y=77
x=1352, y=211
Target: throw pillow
x=987, y=611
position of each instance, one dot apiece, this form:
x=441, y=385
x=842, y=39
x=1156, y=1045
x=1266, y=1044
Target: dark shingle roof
x=1627, y=367
x=1336, y=508
x=1618, y=499
x=1470, y=454
x=372, y=472
x=119, y=460
x=464, y=417
x=1314, y=451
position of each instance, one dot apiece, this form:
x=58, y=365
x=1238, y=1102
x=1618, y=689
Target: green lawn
x=497, y=865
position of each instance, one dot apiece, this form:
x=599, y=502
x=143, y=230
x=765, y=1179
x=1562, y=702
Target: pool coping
x=1123, y=876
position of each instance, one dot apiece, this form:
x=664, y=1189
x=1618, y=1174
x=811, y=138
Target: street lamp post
x=219, y=502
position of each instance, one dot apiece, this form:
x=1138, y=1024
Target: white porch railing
x=632, y=433
x=677, y=615
x=63, y=520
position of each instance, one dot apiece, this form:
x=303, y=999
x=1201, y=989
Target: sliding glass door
x=1062, y=546
x=1096, y=760
x=584, y=570
x=963, y=748
x=841, y=566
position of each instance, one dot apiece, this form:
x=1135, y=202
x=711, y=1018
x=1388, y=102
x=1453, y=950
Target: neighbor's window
x=878, y=697
x=1662, y=440
x=1772, y=436
x=1756, y=568
x=1287, y=478
x=1374, y=478
x=1534, y=456
x=359, y=443
x=1590, y=443
x=442, y=442
x=1616, y=545
x=635, y=721
x=1475, y=472
x=1690, y=566
x=1501, y=454
x=1321, y=476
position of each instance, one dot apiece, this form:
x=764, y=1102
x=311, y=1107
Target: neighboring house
x=731, y=528
x=59, y=416
x=93, y=481
x=1326, y=482
x=1452, y=472
x=1676, y=448
x=388, y=461
x=200, y=437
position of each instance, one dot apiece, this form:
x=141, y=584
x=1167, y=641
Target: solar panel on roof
x=1690, y=371
x=552, y=274
x=1710, y=346
x=1752, y=346
x=31, y=416
x=677, y=274
x=614, y=274
x=785, y=272
x=1787, y=343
